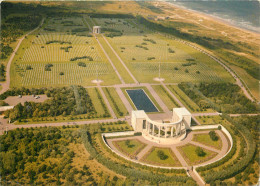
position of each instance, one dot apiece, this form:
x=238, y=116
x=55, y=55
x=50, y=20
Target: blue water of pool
x=141, y=100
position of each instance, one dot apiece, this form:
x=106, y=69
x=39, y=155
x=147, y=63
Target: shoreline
x=213, y=17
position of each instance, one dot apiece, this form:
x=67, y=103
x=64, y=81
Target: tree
x=199, y=151
x=161, y=155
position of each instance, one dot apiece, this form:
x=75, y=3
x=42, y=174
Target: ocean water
x=243, y=14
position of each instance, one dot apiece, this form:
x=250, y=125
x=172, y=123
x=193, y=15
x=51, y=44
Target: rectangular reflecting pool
x=141, y=100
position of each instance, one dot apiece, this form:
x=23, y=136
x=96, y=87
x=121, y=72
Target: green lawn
x=111, y=95
x=131, y=149
x=153, y=48
x=96, y=102
x=48, y=47
x=148, y=94
x=189, y=154
x=209, y=120
x=206, y=140
x=165, y=98
x=151, y=157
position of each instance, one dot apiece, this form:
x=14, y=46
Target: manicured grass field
x=121, y=111
x=165, y=98
x=191, y=157
x=173, y=55
x=148, y=94
x=64, y=44
x=209, y=120
x=152, y=158
x=131, y=149
x=96, y=102
x=206, y=140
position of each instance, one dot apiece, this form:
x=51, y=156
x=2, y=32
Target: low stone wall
x=4, y=108
x=113, y=134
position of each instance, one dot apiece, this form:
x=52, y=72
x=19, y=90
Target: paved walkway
x=122, y=62
x=6, y=84
x=4, y=126
x=112, y=64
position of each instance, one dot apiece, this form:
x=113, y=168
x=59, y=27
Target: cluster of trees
x=143, y=47
x=82, y=64
x=13, y=27
x=66, y=48
x=150, y=58
x=150, y=40
x=2, y=72
x=203, y=104
x=58, y=41
x=189, y=64
x=22, y=148
x=162, y=155
x=171, y=50
x=79, y=30
x=213, y=135
x=120, y=113
x=48, y=66
x=64, y=101
x=6, y=50
x=200, y=152
x=110, y=32
x=228, y=96
x=82, y=57
x=49, y=29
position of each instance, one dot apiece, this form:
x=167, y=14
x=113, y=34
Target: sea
x=240, y=13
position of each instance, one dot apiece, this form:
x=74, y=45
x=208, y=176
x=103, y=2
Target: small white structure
x=96, y=29
x=164, y=132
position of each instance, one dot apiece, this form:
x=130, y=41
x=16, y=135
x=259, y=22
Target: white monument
x=96, y=29
x=164, y=132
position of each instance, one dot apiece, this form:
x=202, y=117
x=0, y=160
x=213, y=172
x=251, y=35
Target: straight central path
x=107, y=102
x=122, y=62
x=112, y=64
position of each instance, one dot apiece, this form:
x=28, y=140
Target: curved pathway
x=6, y=84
